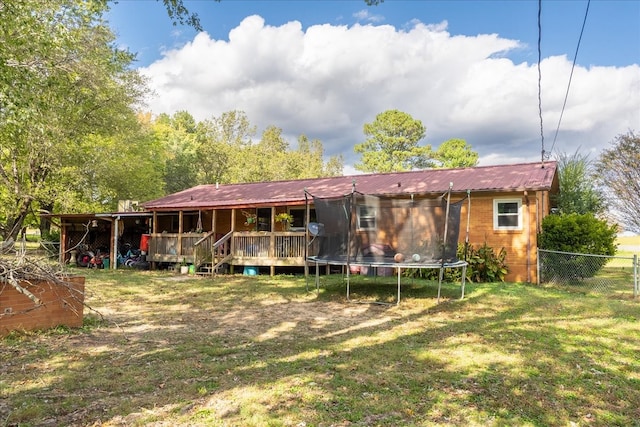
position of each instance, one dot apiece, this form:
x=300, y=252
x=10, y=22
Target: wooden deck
x=259, y=248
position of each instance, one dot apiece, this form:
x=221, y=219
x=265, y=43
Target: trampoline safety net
x=368, y=229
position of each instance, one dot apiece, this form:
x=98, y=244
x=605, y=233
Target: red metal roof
x=514, y=177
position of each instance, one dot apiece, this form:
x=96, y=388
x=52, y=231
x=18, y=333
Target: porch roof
x=497, y=178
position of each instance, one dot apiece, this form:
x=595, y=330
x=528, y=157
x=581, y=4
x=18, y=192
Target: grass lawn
x=262, y=351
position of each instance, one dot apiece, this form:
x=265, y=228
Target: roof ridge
x=377, y=174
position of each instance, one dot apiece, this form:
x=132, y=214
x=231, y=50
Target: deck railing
x=247, y=248
x=264, y=248
x=210, y=253
x=173, y=247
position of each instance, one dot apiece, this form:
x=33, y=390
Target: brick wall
x=60, y=305
x=520, y=244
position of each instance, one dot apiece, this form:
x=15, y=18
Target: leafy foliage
x=485, y=265
x=284, y=217
x=222, y=150
x=178, y=137
x=455, y=153
x=578, y=192
x=179, y=14
x=62, y=80
x=392, y=144
x=581, y=234
x=619, y=172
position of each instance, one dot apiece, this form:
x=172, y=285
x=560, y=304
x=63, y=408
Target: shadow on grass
x=239, y=350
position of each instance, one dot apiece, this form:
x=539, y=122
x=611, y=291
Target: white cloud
x=365, y=15
x=329, y=80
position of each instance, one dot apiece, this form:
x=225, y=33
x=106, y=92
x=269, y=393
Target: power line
x=540, y=77
x=575, y=57
x=544, y=154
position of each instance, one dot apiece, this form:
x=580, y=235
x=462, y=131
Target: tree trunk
x=45, y=223
x=14, y=225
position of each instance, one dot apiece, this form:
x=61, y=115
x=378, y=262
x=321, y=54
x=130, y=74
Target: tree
x=222, y=148
x=178, y=137
x=268, y=157
x=619, y=174
x=129, y=166
x=455, y=153
x=578, y=189
x=274, y=160
x=61, y=80
x=179, y=14
x=392, y=144
x=308, y=160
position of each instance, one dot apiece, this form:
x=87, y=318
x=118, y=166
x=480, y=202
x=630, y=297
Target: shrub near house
x=580, y=234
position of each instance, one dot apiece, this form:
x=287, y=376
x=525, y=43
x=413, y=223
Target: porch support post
x=272, y=242
x=154, y=230
x=273, y=219
x=307, y=217
x=233, y=240
x=114, y=244
x=213, y=230
x=180, y=231
x=63, y=242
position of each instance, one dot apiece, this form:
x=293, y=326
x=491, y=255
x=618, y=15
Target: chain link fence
x=586, y=273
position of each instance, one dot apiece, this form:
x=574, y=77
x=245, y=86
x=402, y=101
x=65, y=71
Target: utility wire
x=575, y=57
x=540, y=79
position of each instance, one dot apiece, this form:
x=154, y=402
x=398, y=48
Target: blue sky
x=611, y=35
x=467, y=69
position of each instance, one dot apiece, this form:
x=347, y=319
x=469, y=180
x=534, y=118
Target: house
x=236, y=224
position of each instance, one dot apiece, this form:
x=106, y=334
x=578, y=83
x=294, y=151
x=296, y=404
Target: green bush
x=51, y=236
x=579, y=234
x=484, y=266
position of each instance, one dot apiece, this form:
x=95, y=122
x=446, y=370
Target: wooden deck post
x=180, y=231
x=272, y=241
x=233, y=245
x=213, y=230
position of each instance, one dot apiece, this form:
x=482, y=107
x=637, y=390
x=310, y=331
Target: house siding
x=520, y=245
x=191, y=214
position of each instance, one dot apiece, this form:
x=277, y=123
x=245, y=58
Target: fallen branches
x=22, y=273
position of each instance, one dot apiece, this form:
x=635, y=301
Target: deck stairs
x=210, y=257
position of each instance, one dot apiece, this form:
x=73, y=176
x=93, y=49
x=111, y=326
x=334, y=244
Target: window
x=507, y=214
x=299, y=215
x=366, y=218
x=264, y=219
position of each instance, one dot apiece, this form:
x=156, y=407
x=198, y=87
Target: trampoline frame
x=399, y=266
x=395, y=265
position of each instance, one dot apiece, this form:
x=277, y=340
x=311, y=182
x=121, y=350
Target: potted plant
x=285, y=218
x=184, y=268
x=251, y=219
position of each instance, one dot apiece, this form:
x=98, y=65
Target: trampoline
x=400, y=232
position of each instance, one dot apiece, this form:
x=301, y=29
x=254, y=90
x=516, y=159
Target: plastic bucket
x=250, y=271
x=192, y=269
x=105, y=263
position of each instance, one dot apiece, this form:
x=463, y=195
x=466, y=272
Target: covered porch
x=240, y=248
x=212, y=239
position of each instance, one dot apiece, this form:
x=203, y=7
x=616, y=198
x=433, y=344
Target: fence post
x=538, y=266
x=636, y=285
